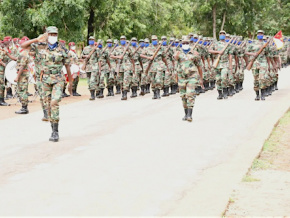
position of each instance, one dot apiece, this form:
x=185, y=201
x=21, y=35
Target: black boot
x=174, y=89
x=241, y=86
x=155, y=94
x=101, y=94
x=189, y=114
x=118, y=89
x=266, y=94
x=124, y=95
x=213, y=84
x=93, y=97
x=142, y=93
x=64, y=94
x=273, y=87
x=206, y=86
x=225, y=93
x=9, y=93
x=201, y=90
x=45, y=115
x=23, y=110
x=230, y=93
x=237, y=88
x=197, y=90
x=276, y=85
x=109, y=92
x=177, y=88
x=134, y=92
x=185, y=117
x=257, y=96
x=269, y=90
x=263, y=94
x=220, y=96
x=158, y=93
x=166, y=92
x=54, y=135
x=148, y=89
x=112, y=90
x=75, y=93
x=233, y=90
x=3, y=103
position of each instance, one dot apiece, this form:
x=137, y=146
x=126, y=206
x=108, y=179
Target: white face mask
x=73, y=48
x=185, y=46
x=52, y=39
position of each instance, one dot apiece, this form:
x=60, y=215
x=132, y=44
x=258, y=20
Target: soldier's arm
x=41, y=38
x=11, y=57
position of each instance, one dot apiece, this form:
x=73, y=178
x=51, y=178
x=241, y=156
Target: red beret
x=15, y=39
x=7, y=39
x=71, y=43
x=25, y=38
x=62, y=41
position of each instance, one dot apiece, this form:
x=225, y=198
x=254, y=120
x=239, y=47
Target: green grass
x=249, y=178
x=259, y=164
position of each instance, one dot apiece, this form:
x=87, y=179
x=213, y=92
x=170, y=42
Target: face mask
x=288, y=40
x=100, y=46
x=227, y=40
x=91, y=42
x=164, y=43
x=239, y=43
x=73, y=48
x=52, y=39
x=192, y=39
x=142, y=44
x=154, y=42
x=180, y=45
x=109, y=45
x=134, y=44
x=195, y=40
x=123, y=42
x=222, y=37
x=176, y=44
x=205, y=43
x=200, y=42
x=260, y=37
x=146, y=44
x=250, y=41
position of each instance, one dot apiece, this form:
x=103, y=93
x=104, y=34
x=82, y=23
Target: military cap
x=71, y=44
x=62, y=41
x=100, y=41
x=176, y=40
x=109, y=41
x=228, y=35
x=7, y=39
x=147, y=40
x=260, y=31
x=190, y=34
x=116, y=41
x=92, y=38
x=24, y=38
x=154, y=37
x=264, y=37
x=141, y=40
x=172, y=39
x=185, y=39
x=195, y=36
x=134, y=39
x=123, y=37
x=15, y=39
x=51, y=29
x=163, y=37
x=223, y=32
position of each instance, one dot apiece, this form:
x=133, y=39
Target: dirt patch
x=265, y=190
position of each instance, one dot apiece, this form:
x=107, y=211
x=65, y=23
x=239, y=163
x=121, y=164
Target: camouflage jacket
x=23, y=60
x=73, y=57
x=52, y=62
x=103, y=58
x=188, y=63
x=137, y=59
x=158, y=63
x=37, y=59
x=261, y=60
x=125, y=63
x=87, y=51
x=224, y=60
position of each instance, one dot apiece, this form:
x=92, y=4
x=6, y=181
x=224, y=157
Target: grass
x=249, y=178
x=259, y=164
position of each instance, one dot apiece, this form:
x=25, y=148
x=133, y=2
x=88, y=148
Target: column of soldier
x=190, y=66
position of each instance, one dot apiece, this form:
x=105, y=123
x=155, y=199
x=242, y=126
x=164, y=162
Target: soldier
x=173, y=80
x=72, y=54
x=145, y=63
x=117, y=83
x=125, y=67
x=111, y=75
x=189, y=66
x=53, y=57
x=158, y=67
x=3, y=62
x=136, y=80
x=260, y=65
x=62, y=43
x=143, y=83
x=224, y=68
x=89, y=67
x=22, y=78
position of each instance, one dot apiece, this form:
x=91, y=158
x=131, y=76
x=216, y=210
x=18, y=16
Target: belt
x=53, y=71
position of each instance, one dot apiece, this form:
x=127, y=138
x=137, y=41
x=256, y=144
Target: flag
x=278, y=40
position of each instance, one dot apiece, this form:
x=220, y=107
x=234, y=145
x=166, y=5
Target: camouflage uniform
x=74, y=60
x=52, y=61
x=89, y=68
x=22, y=85
x=4, y=58
x=111, y=78
x=145, y=78
x=136, y=80
x=188, y=79
x=105, y=70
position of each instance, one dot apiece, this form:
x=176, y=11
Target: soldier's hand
x=16, y=79
x=70, y=89
x=42, y=38
x=201, y=83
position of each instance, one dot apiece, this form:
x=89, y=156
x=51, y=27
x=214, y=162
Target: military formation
x=189, y=66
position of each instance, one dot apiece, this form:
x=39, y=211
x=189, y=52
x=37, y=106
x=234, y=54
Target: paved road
x=135, y=157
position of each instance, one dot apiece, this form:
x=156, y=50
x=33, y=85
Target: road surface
x=136, y=157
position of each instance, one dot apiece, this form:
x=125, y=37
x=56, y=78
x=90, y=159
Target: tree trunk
x=91, y=23
x=214, y=21
x=224, y=20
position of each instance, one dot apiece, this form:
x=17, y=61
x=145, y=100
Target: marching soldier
x=53, y=57
x=74, y=60
x=111, y=74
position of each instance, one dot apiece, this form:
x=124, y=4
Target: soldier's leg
x=128, y=74
x=42, y=98
x=255, y=73
x=92, y=79
x=231, y=85
x=22, y=91
x=111, y=82
x=2, y=89
x=167, y=81
x=102, y=84
x=75, y=85
x=143, y=84
x=63, y=91
x=88, y=79
x=224, y=82
x=182, y=93
x=191, y=95
x=218, y=79
x=159, y=78
x=262, y=82
x=9, y=93
x=206, y=79
x=135, y=83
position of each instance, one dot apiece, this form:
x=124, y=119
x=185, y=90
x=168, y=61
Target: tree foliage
x=77, y=19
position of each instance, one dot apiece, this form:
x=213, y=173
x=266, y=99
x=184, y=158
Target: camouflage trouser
x=156, y=79
x=103, y=76
x=212, y=74
x=39, y=88
x=136, y=78
x=93, y=80
x=75, y=82
x=144, y=79
x=273, y=76
x=124, y=79
x=240, y=75
x=259, y=79
x=53, y=93
x=111, y=78
x=187, y=85
x=173, y=78
x=22, y=88
x=206, y=74
x=284, y=58
x=223, y=77
x=168, y=75
x=2, y=84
